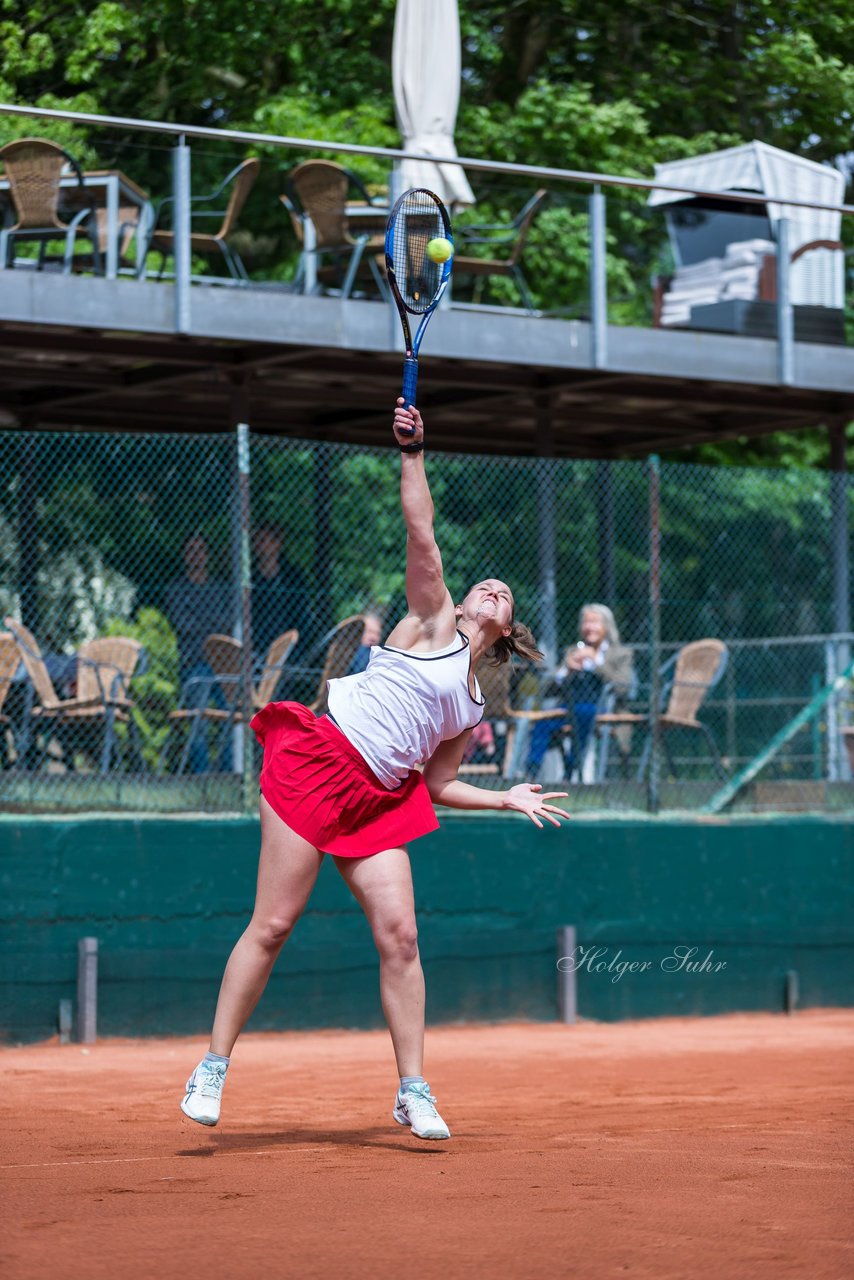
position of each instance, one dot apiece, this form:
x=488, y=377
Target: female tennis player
x=346, y=784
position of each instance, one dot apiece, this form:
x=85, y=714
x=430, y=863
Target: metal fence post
x=791, y=991
x=546, y=532
x=598, y=280
x=181, y=233
x=731, y=708
x=245, y=752
x=395, y=191
x=567, y=981
x=309, y=255
x=785, y=315
x=841, y=563
x=652, y=796
x=66, y=1021
x=323, y=537
x=87, y=990
x=834, y=753
x=29, y=482
x=606, y=530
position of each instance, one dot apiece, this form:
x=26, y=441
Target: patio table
x=107, y=190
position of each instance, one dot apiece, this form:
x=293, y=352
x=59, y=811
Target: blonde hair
x=612, y=634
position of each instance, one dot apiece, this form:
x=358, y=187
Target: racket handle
x=410, y=381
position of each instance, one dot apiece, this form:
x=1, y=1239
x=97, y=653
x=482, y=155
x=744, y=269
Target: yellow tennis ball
x=439, y=250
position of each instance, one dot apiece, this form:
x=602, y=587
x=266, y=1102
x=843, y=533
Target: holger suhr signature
x=681, y=959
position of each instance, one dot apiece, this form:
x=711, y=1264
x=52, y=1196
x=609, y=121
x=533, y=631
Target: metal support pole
x=66, y=1018
x=652, y=796
x=791, y=993
x=28, y=528
x=87, y=990
x=840, y=532
x=567, y=986
x=598, y=280
x=834, y=746
x=323, y=537
x=395, y=191
x=546, y=534
x=243, y=751
x=309, y=255
x=731, y=707
x=841, y=571
x=606, y=540
x=181, y=233
x=785, y=315
x=111, y=263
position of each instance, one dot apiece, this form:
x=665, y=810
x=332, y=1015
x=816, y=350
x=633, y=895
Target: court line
x=55, y=1164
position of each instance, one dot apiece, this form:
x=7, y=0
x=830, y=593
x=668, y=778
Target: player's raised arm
x=426, y=593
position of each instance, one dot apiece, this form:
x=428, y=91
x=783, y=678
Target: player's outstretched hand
x=525, y=798
x=408, y=427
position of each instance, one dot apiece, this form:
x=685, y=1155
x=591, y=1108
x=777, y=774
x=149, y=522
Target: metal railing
x=596, y=212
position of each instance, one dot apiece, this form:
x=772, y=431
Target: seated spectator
x=371, y=635
x=198, y=606
x=597, y=659
x=280, y=598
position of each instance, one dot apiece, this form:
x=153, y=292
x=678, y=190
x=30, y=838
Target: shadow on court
x=229, y=1143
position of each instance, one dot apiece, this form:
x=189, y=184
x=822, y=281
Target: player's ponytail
x=520, y=642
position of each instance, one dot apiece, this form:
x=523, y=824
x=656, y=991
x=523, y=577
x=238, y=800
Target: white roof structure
x=818, y=277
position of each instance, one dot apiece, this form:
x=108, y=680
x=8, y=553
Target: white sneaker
x=204, y=1092
x=416, y=1107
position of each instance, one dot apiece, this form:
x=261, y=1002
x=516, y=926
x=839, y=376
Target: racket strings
x=417, y=221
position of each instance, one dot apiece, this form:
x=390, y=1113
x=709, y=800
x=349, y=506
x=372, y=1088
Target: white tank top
x=398, y=710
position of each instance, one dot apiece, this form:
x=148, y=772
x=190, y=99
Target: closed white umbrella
x=426, y=75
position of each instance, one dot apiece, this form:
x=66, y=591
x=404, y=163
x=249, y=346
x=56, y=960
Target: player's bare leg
x=382, y=885
x=287, y=872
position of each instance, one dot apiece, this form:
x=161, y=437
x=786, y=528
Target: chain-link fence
x=122, y=556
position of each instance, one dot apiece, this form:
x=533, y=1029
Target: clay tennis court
x=668, y=1148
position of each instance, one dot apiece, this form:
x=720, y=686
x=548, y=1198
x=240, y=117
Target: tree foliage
x=730, y=68
x=597, y=86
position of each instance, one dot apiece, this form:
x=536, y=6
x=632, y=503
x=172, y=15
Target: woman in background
x=597, y=659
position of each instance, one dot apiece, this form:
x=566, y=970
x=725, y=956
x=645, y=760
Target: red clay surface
x=673, y=1148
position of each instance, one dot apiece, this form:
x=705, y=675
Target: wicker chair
x=105, y=668
x=847, y=738
x=341, y=644
x=34, y=168
x=207, y=700
x=241, y=180
x=495, y=686
x=696, y=669
x=273, y=668
x=513, y=235
x=224, y=656
x=128, y=229
x=318, y=190
x=10, y=660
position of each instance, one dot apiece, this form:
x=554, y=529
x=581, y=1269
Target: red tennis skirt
x=318, y=783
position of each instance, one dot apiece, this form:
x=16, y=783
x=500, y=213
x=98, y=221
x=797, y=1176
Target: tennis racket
x=417, y=283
